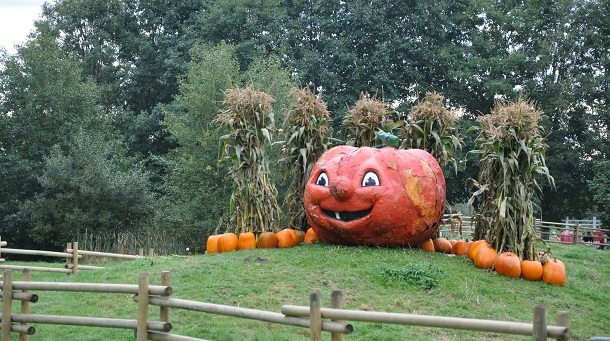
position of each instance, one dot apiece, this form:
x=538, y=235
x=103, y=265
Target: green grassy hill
x=394, y=280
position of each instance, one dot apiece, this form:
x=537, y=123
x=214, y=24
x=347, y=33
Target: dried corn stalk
x=248, y=113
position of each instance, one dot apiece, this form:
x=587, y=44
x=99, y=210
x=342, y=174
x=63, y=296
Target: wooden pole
x=1, y=245
x=575, y=240
x=336, y=302
x=75, y=258
x=315, y=318
x=19, y=296
x=36, y=253
x=151, y=252
x=252, y=314
x=141, y=332
x=156, y=336
x=141, y=252
x=68, y=259
x=34, y=268
x=505, y=327
x=106, y=254
x=563, y=320
x=7, y=305
x=91, y=287
x=90, y=322
x=164, y=311
x=23, y=330
x=539, y=326
x=25, y=305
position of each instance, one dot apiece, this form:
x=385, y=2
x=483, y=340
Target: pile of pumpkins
x=551, y=271
x=285, y=238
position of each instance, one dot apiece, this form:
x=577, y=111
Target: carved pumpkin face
x=369, y=196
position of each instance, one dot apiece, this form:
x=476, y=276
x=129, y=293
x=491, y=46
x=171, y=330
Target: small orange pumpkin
x=247, y=241
x=485, y=258
x=442, y=245
x=508, y=264
x=212, y=244
x=300, y=236
x=452, y=241
x=460, y=248
x=228, y=242
x=474, y=248
x=428, y=245
x=286, y=238
x=266, y=240
x=554, y=273
x=531, y=270
x=311, y=236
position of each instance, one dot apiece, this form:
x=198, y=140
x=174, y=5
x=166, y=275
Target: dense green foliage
x=374, y=279
x=147, y=77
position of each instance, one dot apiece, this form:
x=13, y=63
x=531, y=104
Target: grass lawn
x=394, y=280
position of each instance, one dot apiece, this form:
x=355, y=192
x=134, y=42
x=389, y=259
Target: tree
x=43, y=103
x=92, y=187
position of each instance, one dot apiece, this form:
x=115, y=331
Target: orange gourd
x=453, y=242
x=228, y=242
x=428, y=245
x=474, y=248
x=485, y=258
x=460, y=248
x=286, y=238
x=508, y=264
x=247, y=241
x=531, y=270
x=266, y=240
x=554, y=273
x=442, y=245
x=300, y=236
x=212, y=244
x=311, y=236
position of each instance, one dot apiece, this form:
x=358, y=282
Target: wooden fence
x=313, y=317
x=457, y=226
x=72, y=255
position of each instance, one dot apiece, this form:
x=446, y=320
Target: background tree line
x=106, y=110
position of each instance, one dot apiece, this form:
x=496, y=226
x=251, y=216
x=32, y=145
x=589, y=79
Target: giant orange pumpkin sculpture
x=380, y=197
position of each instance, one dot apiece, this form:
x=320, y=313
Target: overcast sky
x=17, y=20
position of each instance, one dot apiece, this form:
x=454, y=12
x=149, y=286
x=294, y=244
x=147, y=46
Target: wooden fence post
x=539, y=332
x=164, y=311
x=74, y=258
x=25, y=304
x=151, y=252
x=563, y=319
x=68, y=260
x=575, y=240
x=141, y=252
x=1, y=259
x=7, y=305
x=142, y=331
x=315, y=316
x=336, y=301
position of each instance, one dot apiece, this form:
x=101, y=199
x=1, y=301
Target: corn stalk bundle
x=430, y=126
x=512, y=152
x=248, y=114
x=365, y=119
x=308, y=131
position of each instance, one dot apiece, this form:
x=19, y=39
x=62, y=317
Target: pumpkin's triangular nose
x=341, y=188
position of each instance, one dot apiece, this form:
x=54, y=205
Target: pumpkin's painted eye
x=322, y=180
x=370, y=179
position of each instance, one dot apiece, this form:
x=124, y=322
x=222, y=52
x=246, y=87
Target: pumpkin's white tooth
x=337, y=215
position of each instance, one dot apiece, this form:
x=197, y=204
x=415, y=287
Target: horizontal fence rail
x=252, y=314
x=458, y=226
x=72, y=255
x=314, y=317
x=503, y=327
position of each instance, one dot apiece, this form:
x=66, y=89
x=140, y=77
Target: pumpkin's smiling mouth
x=346, y=216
